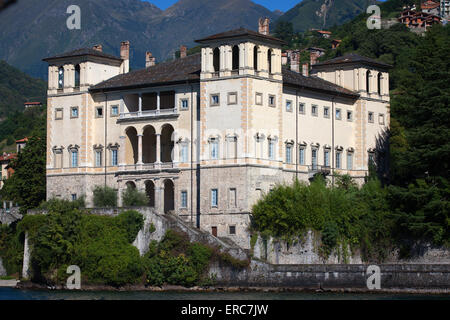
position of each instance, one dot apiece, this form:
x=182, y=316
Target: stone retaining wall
x=313, y=276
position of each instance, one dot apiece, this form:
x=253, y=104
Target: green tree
x=27, y=186
x=132, y=197
x=105, y=196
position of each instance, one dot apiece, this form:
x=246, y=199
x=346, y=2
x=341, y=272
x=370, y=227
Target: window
x=314, y=110
x=379, y=78
x=58, y=113
x=232, y=230
x=326, y=157
x=184, y=199
x=74, y=196
x=289, y=153
x=232, y=98
x=214, y=198
x=338, y=114
x=349, y=160
x=349, y=115
x=214, y=145
x=381, y=119
x=114, y=111
x=184, y=104
x=338, y=159
x=259, y=98
x=74, y=112
x=114, y=158
x=215, y=99
x=370, y=117
x=99, y=112
x=289, y=106
x=271, y=100
x=60, y=78
x=98, y=158
x=368, y=81
x=301, y=108
x=326, y=112
x=184, y=152
x=271, y=149
x=74, y=158
x=232, y=197
x=314, y=158
x=301, y=155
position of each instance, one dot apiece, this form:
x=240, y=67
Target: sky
x=283, y=5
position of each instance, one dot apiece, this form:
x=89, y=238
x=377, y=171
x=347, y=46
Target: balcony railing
x=149, y=113
x=148, y=166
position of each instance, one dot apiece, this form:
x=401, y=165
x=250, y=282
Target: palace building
x=206, y=135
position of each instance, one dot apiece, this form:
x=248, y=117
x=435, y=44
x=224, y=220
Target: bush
x=11, y=248
x=131, y=197
x=343, y=214
x=105, y=197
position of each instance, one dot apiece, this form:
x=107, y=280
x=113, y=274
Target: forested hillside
x=16, y=88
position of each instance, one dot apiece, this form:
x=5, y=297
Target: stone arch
x=379, y=78
x=167, y=143
x=131, y=145
x=149, y=144
x=130, y=184
x=150, y=192
x=169, y=195
x=368, y=81
x=269, y=60
x=77, y=75
x=235, y=56
x=216, y=59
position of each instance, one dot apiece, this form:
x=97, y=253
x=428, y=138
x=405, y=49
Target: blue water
x=19, y=294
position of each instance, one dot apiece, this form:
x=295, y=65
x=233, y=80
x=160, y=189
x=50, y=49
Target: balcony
x=171, y=112
x=147, y=167
x=316, y=169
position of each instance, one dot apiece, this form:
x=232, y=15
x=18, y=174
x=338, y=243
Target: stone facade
x=205, y=136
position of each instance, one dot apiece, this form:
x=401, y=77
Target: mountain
x=31, y=30
x=324, y=13
x=16, y=88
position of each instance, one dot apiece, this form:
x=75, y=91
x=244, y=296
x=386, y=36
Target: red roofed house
x=431, y=7
x=325, y=34
x=32, y=104
x=20, y=144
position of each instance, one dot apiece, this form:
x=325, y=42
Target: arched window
x=269, y=60
x=235, y=58
x=368, y=81
x=216, y=59
x=60, y=77
x=255, y=58
x=379, y=83
x=77, y=75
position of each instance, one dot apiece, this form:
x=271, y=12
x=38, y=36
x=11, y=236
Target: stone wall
x=8, y=217
x=305, y=250
x=315, y=276
x=2, y=269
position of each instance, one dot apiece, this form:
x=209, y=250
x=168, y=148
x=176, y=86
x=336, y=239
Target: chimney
x=263, y=26
x=125, y=55
x=295, y=61
x=149, y=59
x=183, y=52
x=305, y=69
x=98, y=47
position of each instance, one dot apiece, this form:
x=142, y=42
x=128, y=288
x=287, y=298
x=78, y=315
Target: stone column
x=139, y=149
x=158, y=102
x=159, y=199
x=158, y=148
x=119, y=196
x=176, y=152
x=122, y=160
x=26, y=258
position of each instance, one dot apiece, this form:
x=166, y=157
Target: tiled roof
x=188, y=69
x=22, y=140
x=176, y=71
x=32, y=103
x=7, y=156
x=83, y=52
x=314, y=83
x=353, y=58
x=241, y=33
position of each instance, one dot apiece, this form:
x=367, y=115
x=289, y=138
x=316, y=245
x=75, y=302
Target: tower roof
x=353, y=58
x=241, y=33
x=83, y=52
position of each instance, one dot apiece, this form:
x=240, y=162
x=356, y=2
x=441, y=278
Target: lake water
x=16, y=294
